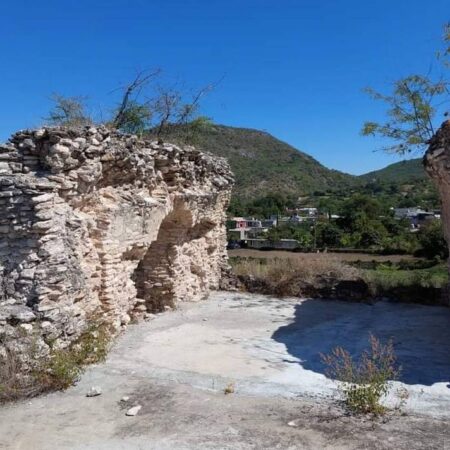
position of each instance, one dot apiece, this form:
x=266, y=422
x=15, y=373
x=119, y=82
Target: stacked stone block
x=94, y=223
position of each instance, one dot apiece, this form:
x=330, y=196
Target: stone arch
x=160, y=276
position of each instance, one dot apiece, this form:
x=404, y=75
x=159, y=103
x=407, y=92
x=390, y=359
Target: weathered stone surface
x=102, y=226
x=437, y=164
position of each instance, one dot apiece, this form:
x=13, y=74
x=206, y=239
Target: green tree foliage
x=143, y=107
x=261, y=207
x=412, y=107
x=135, y=118
x=193, y=129
x=300, y=232
x=328, y=234
x=411, y=110
x=431, y=241
x=365, y=222
x=361, y=205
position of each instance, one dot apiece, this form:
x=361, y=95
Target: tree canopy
x=413, y=107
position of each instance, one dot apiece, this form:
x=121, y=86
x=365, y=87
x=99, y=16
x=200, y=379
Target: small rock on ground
x=94, y=391
x=133, y=411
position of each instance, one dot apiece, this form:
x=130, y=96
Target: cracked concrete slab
x=178, y=365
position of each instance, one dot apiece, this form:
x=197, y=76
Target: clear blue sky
x=294, y=68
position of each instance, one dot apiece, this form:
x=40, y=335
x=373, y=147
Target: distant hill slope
x=263, y=164
x=401, y=172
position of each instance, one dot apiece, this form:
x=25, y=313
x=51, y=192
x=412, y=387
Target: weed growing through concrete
x=229, y=389
x=366, y=381
x=65, y=366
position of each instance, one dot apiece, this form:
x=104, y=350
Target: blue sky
x=295, y=68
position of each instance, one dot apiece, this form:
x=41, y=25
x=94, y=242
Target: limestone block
x=90, y=230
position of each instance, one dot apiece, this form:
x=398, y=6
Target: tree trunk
x=437, y=165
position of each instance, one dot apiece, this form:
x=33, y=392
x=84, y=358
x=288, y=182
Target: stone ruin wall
x=98, y=224
x=437, y=165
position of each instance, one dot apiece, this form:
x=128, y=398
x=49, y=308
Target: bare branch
x=134, y=88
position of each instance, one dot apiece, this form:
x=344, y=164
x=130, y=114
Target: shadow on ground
x=421, y=335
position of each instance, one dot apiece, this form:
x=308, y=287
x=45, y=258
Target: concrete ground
x=267, y=351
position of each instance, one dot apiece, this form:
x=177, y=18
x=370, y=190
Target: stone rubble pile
x=96, y=225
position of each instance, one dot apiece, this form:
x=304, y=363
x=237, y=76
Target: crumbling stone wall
x=437, y=164
x=95, y=223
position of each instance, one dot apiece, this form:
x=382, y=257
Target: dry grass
x=59, y=371
x=14, y=383
x=306, y=257
x=281, y=270
x=294, y=277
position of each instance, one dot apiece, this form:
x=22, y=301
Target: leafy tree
x=274, y=234
x=161, y=110
x=329, y=206
x=328, y=234
x=237, y=207
x=431, y=241
x=130, y=114
x=135, y=118
x=174, y=108
x=412, y=108
x=357, y=210
x=68, y=111
x=372, y=235
x=262, y=207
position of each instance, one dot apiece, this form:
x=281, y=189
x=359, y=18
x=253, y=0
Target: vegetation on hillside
x=363, y=222
x=264, y=165
x=272, y=176
x=397, y=173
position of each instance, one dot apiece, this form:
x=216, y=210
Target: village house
x=240, y=228
x=416, y=216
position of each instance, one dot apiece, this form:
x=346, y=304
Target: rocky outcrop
x=95, y=224
x=437, y=164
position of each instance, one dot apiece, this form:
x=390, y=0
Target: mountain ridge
x=264, y=164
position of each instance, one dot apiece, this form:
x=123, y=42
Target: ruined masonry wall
x=437, y=164
x=95, y=224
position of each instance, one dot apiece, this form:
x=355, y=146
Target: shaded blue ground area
x=421, y=337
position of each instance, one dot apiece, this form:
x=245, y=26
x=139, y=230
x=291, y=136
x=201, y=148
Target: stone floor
x=178, y=365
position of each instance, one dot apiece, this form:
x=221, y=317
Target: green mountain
x=263, y=164
x=400, y=173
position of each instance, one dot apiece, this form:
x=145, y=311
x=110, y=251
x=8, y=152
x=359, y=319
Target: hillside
x=263, y=164
x=401, y=172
